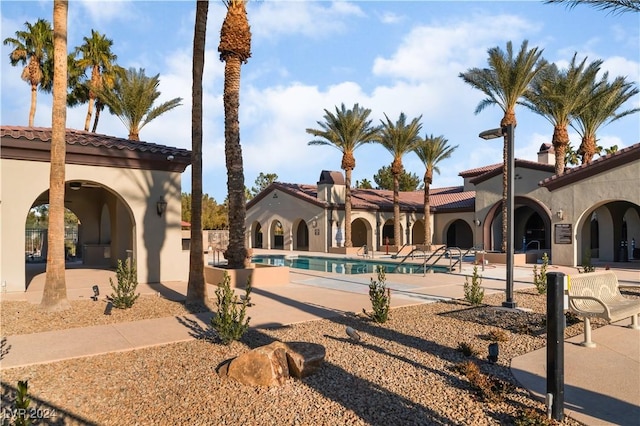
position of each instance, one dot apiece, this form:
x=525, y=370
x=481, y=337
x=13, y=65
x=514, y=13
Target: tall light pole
x=508, y=132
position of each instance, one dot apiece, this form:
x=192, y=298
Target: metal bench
x=597, y=295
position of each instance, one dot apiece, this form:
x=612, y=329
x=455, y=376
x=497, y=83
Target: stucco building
x=591, y=211
x=126, y=195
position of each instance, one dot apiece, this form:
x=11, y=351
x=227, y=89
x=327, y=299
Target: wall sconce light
x=161, y=206
x=560, y=214
x=75, y=185
x=314, y=223
x=477, y=222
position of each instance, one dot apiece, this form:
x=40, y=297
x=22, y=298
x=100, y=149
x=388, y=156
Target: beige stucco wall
x=130, y=197
x=619, y=184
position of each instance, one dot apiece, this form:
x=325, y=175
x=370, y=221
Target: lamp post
x=508, y=132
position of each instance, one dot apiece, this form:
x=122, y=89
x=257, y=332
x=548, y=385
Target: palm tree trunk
x=99, y=108
x=397, y=237
x=236, y=252
x=427, y=211
x=87, y=120
x=560, y=141
x=588, y=149
x=32, y=108
x=54, y=296
x=347, y=209
x=196, y=287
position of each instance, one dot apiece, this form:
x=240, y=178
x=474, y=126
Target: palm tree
x=54, y=296
x=345, y=130
x=196, y=287
x=398, y=138
x=431, y=150
x=504, y=83
x=558, y=95
x=613, y=6
x=235, y=49
x=96, y=55
x=32, y=48
x=131, y=100
x=609, y=97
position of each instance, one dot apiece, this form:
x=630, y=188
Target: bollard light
x=494, y=351
x=96, y=293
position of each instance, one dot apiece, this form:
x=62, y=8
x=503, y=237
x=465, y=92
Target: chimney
x=546, y=154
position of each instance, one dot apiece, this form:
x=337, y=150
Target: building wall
x=130, y=197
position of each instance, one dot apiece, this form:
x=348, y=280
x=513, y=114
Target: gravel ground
x=403, y=372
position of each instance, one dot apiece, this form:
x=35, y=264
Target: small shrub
x=540, y=277
x=380, y=297
x=473, y=293
x=124, y=295
x=22, y=405
x=498, y=335
x=467, y=350
x=571, y=319
x=489, y=389
x=586, y=262
x=229, y=322
x=532, y=417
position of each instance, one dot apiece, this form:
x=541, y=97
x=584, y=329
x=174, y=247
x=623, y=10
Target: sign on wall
x=562, y=233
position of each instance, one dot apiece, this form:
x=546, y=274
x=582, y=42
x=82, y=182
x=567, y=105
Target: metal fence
x=35, y=240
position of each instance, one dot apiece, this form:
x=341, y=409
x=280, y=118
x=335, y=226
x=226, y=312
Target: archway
x=361, y=233
x=301, y=240
x=417, y=233
x=387, y=232
x=277, y=235
x=257, y=235
x=104, y=233
x=459, y=234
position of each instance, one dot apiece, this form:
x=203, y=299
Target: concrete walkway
x=602, y=385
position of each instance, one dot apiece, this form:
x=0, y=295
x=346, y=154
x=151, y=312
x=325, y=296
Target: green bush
x=124, y=295
x=473, y=292
x=540, y=277
x=380, y=297
x=229, y=322
x=532, y=417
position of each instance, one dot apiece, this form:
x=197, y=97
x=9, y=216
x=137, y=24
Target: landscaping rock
x=263, y=366
x=304, y=358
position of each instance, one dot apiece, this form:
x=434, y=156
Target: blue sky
x=307, y=56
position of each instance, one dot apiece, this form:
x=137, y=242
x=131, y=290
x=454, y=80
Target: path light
x=96, y=293
x=353, y=334
x=507, y=131
x=494, y=351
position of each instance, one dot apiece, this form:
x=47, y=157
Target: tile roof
x=599, y=165
x=78, y=137
x=442, y=199
x=481, y=174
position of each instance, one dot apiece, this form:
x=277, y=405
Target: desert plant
x=124, y=295
x=229, y=321
x=467, y=350
x=498, y=335
x=532, y=417
x=473, y=292
x=540, y=277
x=489, y=389
x=22, y=405
x=586, y=262
x=380, y=297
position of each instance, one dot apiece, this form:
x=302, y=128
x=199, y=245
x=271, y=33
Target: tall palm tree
x=504, y=83
x=398, y=138
x=603, y=110
x=131, y=100
x=196, y=287
x=431, y=151
x=54, y=296
x=32, y=48
x=345, y=130
x=96, y=55
x=558, y=95
x=235, y=49
x=613, y=6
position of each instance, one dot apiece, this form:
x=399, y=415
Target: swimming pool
x=338, y=265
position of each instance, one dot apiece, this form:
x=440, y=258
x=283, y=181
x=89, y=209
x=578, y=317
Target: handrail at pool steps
x=462, y=256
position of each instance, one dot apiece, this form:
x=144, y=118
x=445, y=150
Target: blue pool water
x=338, y=265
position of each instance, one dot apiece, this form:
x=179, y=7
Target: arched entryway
x=301, y=240
x=277, y=235
x=387, y=233
x=459, y=234
x=417, y=233
x=102, y=235
x=609, y=232
x=256, y=235
x=361, y=233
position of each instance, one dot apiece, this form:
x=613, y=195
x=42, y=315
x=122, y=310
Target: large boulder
x=272, y=364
